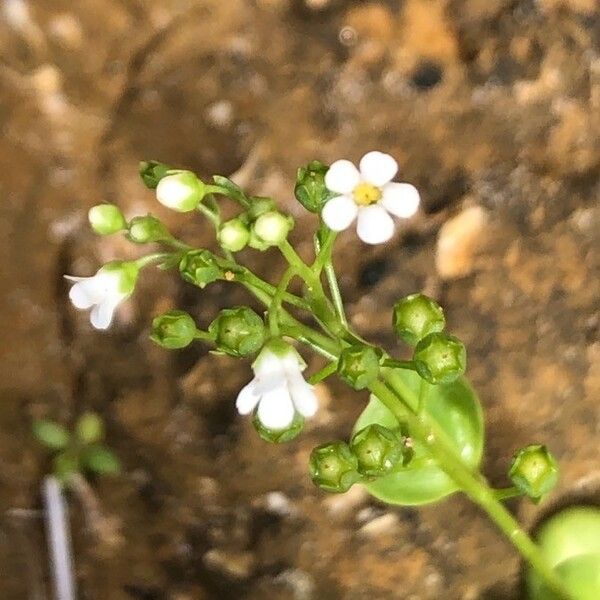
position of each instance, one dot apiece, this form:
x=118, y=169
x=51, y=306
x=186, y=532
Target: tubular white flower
x=103, y=292
x=278, y=390
x=368, y=195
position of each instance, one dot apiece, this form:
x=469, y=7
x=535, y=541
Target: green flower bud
x=270, y=229
x=282, y=435
x=238, y=331
x=379, y=450
x=180, y=190
x=106, y=219
x=152, y=171
x=144, y=230
x=534, y=471
x=440, y=358
x=358, y=366
x=416, y=316
x=234, y=235
x=310, y=188
x=89, y=428
x=175, y=329
x=333, y=467
x=200, y=267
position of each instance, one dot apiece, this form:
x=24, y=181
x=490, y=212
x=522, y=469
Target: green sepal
x=152, y=171
x=200, y=267
x=279, y=436
x=310, y=189
x=534, y=471
x=457, y=410
x=440, y=358
x=173, y=330
x=333, y=467
x=231, y=189
x=416, y=316
x=238, y=331
x=51, y=434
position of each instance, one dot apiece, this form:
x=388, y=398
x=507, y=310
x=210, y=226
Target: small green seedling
x=77, y=451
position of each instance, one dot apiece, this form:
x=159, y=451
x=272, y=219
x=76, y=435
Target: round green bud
x=310, y=188
x=416, y=316
x=279, y=436
x=180, y=190
x=333, y=467
x=358, y=366
x=440, y=358
x=144, y=230
x=378, y=450
x=106, y=219
x=238, y=331
x=234, y=235
x=174, y=329
x=89, y=428
x=534, y=471
x=270, y=229
x=200, y=267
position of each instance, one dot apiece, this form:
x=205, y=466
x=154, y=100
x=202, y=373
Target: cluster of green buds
x=77, y=451
x=438, y=357
x=374, y=451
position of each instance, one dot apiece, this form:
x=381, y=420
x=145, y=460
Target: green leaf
x=457, y=410
x=570, y=543
x=231, y=190
x=89, y=428
x=152, y=171
x=101, y=460
x=51, y=434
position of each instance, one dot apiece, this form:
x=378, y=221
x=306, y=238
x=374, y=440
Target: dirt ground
x=492, y=107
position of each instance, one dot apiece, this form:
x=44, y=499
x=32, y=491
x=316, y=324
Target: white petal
x=339, y=213
x=86, y=292
x=303, y=396
x=171, y=192
x=266, y=383
x=102, y=313
x=401, y=199
x=267, y=362
x=374, y=226
x=342, y=177
x=378, y=168
x=247, y=398
x=276, y=410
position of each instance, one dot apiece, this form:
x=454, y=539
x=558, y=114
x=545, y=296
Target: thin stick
x=59, y=539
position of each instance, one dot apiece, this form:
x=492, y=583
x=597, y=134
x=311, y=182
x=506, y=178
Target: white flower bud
x=180, y=190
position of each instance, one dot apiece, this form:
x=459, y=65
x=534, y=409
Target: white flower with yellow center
x=103, y=292
x=368, y=195
x=278, y=390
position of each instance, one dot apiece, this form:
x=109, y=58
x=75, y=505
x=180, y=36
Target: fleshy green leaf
x=456, y=408
x=51, y=434
x=570, y=543
x=101, y=460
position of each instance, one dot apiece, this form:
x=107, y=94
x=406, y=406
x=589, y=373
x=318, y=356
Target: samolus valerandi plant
x=421, y=435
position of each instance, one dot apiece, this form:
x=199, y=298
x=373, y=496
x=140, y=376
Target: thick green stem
x=472, y=484
x=274, y=307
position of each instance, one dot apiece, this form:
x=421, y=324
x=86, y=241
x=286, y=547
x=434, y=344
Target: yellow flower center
x=365, y=194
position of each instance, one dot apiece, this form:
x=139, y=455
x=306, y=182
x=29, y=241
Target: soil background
x=492, y=108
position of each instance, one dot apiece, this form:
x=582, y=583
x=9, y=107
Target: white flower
x=103, y=292
x=278, y=388
x=368, y=194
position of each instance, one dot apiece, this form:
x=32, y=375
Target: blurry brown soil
x=492, y=105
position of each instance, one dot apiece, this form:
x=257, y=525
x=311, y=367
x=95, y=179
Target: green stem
x=399, y=364
x=508, y=493
x=204, y=336
x=273, y=310
x=423, y=390
x=323, y=373
x=144, y=261
x=471, y=484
